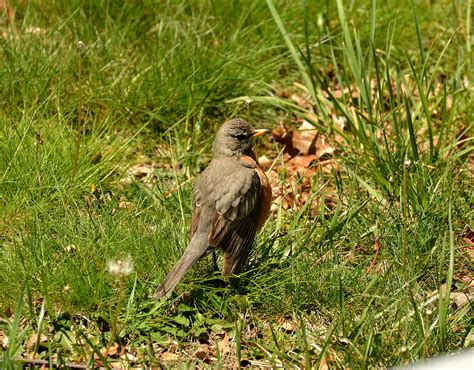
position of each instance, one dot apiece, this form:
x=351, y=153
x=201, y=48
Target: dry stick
x=377, y=249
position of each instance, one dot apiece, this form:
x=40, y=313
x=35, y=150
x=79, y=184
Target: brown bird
x=231, y=202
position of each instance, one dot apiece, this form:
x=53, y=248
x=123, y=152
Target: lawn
x=107, y=114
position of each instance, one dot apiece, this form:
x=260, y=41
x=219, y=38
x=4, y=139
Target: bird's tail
x=192, y=254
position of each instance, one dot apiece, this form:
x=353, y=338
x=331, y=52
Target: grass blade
x=411, y=131
x=15, y=341
x=444, y=297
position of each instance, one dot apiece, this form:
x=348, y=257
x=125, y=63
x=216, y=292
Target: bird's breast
x=265, y=200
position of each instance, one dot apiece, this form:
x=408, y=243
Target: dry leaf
x=460, y=299
x=33, y=338
x=299, y=163
x=112, y=351
x=323, y=364
x=288, y=326
x=204, y=355
x=304, y=140
x=225, y=346
x=143, y=172
x=264, y=162
x=169, y=357
x=302, y=101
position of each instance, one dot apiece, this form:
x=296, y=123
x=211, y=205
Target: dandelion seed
x=80, y=46
x=35, y=30
x=121, y=267
x=71, y=248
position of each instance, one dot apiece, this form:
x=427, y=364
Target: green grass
x=152, y=85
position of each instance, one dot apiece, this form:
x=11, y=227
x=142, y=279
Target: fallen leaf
x=225, y=346
x=204, y=355
x=169, y=357
x=33, y=338
x=323, y=364
x=302, y=101
x=111, y=351
x=143, y=172
x=460, y=299
x=264, y=162
x=299, y=163
x=304, y=139
x=288, y=326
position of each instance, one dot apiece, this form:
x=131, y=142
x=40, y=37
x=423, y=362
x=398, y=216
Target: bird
x=231, y=202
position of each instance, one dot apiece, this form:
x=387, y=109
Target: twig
x=377, y=249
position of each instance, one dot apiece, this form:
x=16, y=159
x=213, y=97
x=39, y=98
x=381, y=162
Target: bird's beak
x=260, y=132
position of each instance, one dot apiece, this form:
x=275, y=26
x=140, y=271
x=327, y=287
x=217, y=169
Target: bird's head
x=234, y=138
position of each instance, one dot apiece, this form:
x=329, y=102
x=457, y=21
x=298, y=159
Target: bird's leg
x=214, y=261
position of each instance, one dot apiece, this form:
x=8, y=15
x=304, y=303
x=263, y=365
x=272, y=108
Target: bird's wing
x=195, y=219
x=234, y=225
x=230, y=191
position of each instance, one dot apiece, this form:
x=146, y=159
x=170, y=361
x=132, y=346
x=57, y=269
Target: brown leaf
x=304, y=140
x=323, y=364
x=264, y=162
x=5, y=8
x=33, y=338
x=204, y=354
x=302, y=101
x=460, y=299
x=299, y=163
x=468, y=236
x=141, y=171
x=111, y=351
x=225, y=346
x=288, y=326
x=283, y=136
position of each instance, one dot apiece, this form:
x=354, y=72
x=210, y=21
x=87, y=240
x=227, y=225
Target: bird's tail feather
x=187, y=260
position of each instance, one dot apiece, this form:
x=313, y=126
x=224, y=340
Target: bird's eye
x=241, y=136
